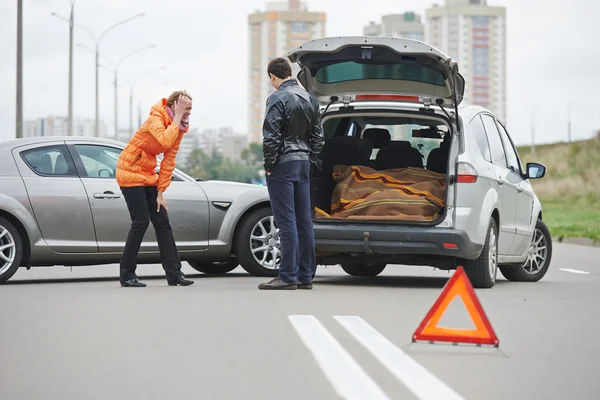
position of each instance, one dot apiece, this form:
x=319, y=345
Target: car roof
x=45, y=139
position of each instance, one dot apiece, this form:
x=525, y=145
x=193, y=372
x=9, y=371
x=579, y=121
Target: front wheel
x=538, y=258
x=359, y=269
x=257, y=243
x=214, y=267
x=482, y=271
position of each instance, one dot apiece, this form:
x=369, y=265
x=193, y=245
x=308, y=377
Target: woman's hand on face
x=181, y=105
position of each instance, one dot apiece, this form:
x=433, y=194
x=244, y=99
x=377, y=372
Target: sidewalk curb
x=578, y=241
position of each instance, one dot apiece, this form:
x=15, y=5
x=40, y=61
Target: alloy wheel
x=265, y=243
x=493, y=254
x=7, y=249
x=538, y=251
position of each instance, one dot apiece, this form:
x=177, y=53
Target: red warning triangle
x=458, y=285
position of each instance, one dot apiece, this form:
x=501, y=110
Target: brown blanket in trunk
x=407, y=194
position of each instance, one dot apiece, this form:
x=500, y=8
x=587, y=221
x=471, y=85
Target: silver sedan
x=60, y=204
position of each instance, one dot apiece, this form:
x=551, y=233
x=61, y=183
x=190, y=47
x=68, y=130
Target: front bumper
x=389, y=239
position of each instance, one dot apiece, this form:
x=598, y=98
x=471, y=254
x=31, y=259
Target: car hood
x=369, y=68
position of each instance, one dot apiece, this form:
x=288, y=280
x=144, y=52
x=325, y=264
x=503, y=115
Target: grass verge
x=570, y=191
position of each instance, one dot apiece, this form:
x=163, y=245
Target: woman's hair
x=175, y=95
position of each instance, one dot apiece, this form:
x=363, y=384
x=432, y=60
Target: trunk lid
x=378, y=68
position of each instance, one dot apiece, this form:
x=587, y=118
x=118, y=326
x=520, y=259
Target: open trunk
x=377, y=167
x=381, y=167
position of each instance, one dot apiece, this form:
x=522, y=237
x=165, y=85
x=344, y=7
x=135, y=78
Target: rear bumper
x=393, y=240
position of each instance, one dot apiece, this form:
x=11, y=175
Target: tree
x=216, y=167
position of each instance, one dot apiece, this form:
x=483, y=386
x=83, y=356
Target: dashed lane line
x=348, y=379
x=574, y=271
x=423, y=384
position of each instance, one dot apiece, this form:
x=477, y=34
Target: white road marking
x=574, y=271
x=417, y=379
x=349, y=380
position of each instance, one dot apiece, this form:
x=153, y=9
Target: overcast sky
x=552, y=46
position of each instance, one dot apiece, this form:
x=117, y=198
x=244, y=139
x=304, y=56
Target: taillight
x=450, y=245
x=465, y=173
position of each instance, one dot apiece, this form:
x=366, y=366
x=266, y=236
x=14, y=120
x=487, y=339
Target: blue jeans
x=289, y=192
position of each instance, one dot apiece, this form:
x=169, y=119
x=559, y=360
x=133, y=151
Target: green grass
x=570, y=191
x=579, y=220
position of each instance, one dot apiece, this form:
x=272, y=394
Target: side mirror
x=535, y=171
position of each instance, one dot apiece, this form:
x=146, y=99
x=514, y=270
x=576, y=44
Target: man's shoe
x=277, y=284
x=132, y=283
x=180, y=280
x=306, y=286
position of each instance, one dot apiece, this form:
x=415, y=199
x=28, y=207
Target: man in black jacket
x=292, y=141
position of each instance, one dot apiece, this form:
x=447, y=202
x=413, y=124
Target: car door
x=505, y=184
x=524, y=217
x=188, y=204
x=57, y=197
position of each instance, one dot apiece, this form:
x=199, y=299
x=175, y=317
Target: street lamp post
x=96, y=124
x=533, y=131
x=569, y=123
x=132, y=86
x=19, y=69
x=70, y=114
x=115, y=83
x=97, y=52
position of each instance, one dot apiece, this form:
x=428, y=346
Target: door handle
x=501, y=181
x=520, y=189
x=107, y=195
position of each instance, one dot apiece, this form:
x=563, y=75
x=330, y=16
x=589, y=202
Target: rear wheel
x=360, y=269
x=257, y=243
x=538, y=259
x=482, y=271
x=11, y=250
x=214, y=267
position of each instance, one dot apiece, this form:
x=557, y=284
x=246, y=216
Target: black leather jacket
x=292, y=128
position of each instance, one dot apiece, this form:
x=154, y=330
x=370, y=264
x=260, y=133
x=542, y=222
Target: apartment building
x=407, y=25
x=283, y=26
x=473, y=33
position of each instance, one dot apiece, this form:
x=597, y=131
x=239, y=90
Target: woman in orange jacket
x=143, y=189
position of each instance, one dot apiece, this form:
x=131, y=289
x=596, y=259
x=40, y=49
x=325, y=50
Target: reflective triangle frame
x=458, y=285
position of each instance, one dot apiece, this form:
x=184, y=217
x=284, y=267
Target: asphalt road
x=78, y=335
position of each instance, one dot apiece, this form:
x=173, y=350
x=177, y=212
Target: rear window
x=422, y=134
x=352, y=71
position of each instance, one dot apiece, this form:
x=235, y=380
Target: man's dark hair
x=280, y=68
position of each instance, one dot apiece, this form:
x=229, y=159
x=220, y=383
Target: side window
x=50, y=161
x=496, y=147
x=511, y=154
x=478, y=131
x=98, y=161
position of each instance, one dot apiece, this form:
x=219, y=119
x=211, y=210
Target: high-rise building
x=474, y=34
x=283, y=26
x=407, y=25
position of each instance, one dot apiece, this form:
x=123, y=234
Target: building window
x=299, y=27
x=480, y=22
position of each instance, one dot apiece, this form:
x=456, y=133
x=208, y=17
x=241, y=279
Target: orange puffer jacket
x=137, y=162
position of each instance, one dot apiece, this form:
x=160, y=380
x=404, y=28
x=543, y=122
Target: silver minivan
x=409, y=174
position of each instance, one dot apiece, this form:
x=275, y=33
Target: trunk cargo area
x=382, y=168
x=406, y=194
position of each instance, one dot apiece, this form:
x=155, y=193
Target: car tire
x=214, y=267
x=541, y=245
x=244, y=244
x=483, y=270
x=11, y=247
x=361, y=269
